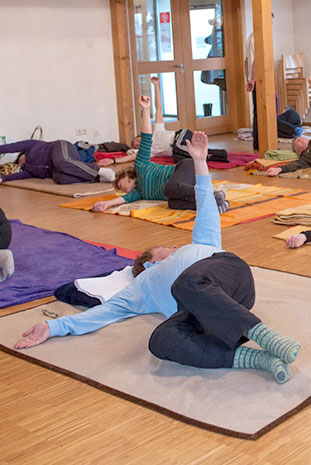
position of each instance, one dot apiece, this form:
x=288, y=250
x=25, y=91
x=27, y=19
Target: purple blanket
x=44, y=260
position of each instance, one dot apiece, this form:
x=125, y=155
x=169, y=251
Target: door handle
x=181, y=67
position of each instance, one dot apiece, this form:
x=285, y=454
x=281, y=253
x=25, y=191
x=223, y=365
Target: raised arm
x=144, y=103
x=207, y=224
x=143, y=155
x=158, y=102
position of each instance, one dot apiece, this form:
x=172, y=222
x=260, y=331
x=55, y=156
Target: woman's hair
x=138, y=266
x=19, y=155
x=129, y=171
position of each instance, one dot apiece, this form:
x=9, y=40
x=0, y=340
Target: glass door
x=189, y=45
x=156, y=50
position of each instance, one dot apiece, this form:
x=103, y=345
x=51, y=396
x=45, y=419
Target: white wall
x=302, y=31
x=282, y=25
x=57, y=70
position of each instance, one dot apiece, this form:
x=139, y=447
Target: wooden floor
x=48, y=418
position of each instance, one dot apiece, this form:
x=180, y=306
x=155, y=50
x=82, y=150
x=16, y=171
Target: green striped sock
x=245, y=357
x=280, y=346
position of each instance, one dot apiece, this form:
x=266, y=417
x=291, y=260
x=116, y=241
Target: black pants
x=179, y=189
x=5, y=231
x=287, y=122
x=66, y=167
x=180, y=150
x=255, y=124
x=214, y=297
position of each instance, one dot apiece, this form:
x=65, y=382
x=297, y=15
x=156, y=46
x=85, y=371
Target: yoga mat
x=67, y=190
x=242, y=403
x=44, y=260
x=290, y=231
x=247, y=203
x=235, y=159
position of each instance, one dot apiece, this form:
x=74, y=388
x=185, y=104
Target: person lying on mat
x=58, y=160
x=297, y=240
x=205, y=293
x=172, y=143
x=151, y=181
x=302, y=146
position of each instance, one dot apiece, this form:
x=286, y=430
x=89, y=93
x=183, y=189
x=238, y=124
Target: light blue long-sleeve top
x=150, y=292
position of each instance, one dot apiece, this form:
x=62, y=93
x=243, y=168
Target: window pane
x=168, y=95
x=206, y=29
x=210, y=93
x=153, y=30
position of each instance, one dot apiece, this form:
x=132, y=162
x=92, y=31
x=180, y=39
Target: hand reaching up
x=198, y=146
x=37, y=334
x=144, y=102
x=155, y=80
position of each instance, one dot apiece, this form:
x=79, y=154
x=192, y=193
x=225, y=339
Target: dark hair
x=129, y=171
x=138, y=266
x=18, y=157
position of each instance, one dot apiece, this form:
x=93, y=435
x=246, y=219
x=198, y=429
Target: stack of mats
x=300, y=214
x=247, y=203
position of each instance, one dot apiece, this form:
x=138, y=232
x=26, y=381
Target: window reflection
x=168, y=94
x=210, y=93
x=153, y=30
x=206, y=29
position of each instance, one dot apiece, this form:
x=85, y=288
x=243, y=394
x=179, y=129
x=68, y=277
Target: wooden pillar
x=123, y=72
x=264, y=74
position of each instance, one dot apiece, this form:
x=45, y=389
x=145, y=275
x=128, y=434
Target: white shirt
x=250, y=56
x=162, y=141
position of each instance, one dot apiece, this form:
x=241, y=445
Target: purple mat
x=44, y=260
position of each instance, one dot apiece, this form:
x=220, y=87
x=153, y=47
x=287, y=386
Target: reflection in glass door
x=206, y=24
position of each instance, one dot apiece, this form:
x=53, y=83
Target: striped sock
x=245, y=357
x=280, y=346
x=222, y=203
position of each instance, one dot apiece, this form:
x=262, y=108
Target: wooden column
x=123, y=72
x=264, y=74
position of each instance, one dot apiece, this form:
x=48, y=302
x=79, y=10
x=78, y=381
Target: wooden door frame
x=123, y=64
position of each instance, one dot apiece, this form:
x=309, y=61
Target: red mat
x=235, y=159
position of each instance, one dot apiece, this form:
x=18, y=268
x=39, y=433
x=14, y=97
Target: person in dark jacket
x=6, y=256
x=58, y=160
x=302, y=146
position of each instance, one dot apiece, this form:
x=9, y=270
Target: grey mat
x=69, y=190
x=244, y=403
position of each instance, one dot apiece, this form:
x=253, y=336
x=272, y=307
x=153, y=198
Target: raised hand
x=198, y=146
x=296, y=240
x=155, y=80
x=144, y=102
x=37, y=334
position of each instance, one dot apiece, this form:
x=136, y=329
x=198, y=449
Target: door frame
x=128, y=111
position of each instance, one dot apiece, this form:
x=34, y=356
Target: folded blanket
x=290, y=232
x=280, y=155
x=103, y=288
x=297, y=215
